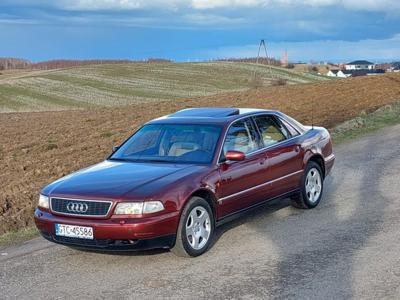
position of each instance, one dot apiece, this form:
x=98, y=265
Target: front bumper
x=113, y=245
x=113, y=233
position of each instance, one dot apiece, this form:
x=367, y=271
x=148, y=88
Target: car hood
x=113, y=180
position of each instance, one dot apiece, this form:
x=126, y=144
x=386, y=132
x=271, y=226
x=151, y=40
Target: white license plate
x=80, y=232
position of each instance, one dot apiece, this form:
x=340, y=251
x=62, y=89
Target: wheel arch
x=209, y=196
x=319, y=160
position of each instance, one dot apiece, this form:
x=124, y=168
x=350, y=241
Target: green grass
x=124, y=84
x=366, y=124
x=16, y=237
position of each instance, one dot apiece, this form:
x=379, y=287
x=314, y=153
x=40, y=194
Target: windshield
x=171, y=143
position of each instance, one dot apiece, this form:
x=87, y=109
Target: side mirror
x=235, y=156
x=115, y=148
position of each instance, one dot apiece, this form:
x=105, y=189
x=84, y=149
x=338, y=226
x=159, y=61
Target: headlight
x=129, y=208
x=43, y=201
x=138, y=208
x=152, y=207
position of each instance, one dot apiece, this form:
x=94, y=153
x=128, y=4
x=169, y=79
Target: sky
x=195, y=30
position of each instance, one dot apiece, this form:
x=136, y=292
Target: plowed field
x=38, y=147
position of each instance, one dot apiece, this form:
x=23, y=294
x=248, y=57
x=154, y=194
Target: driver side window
x=241, y=137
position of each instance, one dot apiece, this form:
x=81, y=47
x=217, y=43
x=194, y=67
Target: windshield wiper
x=121, y=159
x=155, y=160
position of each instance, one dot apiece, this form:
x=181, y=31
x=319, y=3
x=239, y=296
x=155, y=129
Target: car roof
x=208, y=115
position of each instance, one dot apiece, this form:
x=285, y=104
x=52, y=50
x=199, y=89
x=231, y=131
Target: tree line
x=8, y=63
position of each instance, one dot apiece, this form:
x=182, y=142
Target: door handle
x=227, y=179
x=263, y=159
x=297, y=148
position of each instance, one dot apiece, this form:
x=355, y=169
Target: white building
x=332, y=73
x=344, y=73
x=360, y=65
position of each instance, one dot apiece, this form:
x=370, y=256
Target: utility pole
x=262, y=45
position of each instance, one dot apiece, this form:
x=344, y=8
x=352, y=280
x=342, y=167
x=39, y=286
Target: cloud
x=368, y=5
x=336, y=50
x=211, y=20
x=390, y=6
x=95, y=5
x=208, y=4
x=308, y=29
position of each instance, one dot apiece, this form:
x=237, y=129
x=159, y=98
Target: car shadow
x=268, y=208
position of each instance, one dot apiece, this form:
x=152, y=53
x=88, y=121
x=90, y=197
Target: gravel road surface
x=348, y=247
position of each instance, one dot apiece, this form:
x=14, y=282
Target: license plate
x=80, y=232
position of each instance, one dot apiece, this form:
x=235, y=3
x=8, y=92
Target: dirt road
x=348, y=247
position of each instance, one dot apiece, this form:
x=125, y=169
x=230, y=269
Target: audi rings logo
x=77, y=207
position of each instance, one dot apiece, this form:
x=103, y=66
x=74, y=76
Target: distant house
x=332, y=73
x=360, y=65
x=395, y=67
x=357, y=73
x=376, y=72
x=344, y=73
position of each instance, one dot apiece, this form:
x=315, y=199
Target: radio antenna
x=312, y=113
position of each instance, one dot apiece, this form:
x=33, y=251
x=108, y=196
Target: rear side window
x=241, y=137
x=271, y=131
x=290, y=128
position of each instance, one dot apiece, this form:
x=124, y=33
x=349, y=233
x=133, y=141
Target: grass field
x=124, y=84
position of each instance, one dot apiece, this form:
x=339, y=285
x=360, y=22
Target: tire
x=195, y=230
x=311, y=189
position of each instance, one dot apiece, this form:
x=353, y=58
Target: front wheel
x=311, y=189
x=195, y=230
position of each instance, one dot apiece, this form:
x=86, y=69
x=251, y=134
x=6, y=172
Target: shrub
x=278, y=82
x=51, y=146
x=256, y=82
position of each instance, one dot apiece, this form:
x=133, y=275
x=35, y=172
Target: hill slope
x=123, y=84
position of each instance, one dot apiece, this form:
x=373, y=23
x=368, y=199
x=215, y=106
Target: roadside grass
x=366, y=123
x=18, y=236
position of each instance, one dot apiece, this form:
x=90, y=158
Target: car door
x=240, y=179
x=283, y=155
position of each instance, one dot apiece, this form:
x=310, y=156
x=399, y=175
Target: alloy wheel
x=313, y=185
x=198, y=227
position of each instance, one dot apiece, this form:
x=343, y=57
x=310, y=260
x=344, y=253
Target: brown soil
x=37, y=148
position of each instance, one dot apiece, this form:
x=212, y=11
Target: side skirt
x=246, y=210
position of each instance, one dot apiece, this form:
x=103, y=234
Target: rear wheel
x=195, y=230
x=311, y=187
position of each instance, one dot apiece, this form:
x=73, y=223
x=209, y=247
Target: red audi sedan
x=179, y=176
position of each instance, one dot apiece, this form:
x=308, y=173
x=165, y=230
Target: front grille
x=80, y=207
